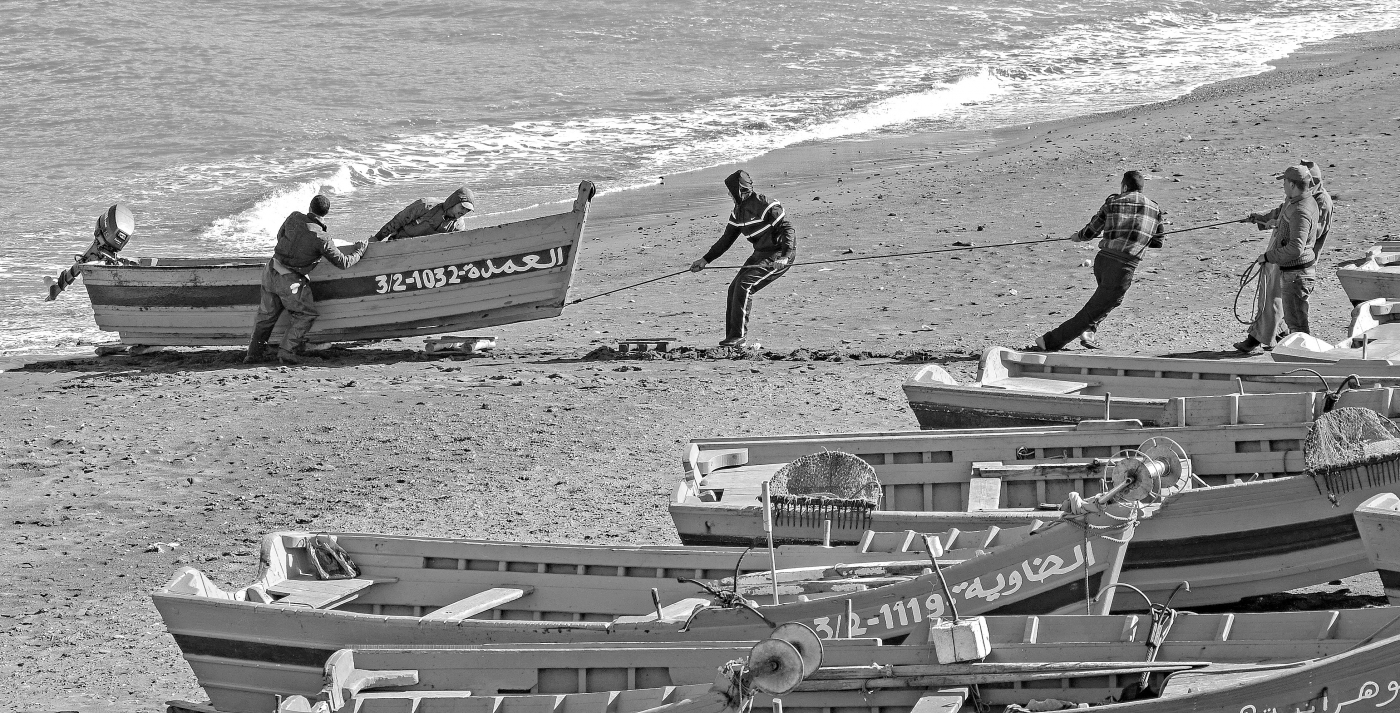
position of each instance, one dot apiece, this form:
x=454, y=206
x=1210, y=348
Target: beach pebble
x=1086, y=263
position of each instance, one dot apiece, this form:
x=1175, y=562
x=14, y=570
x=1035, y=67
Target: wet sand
x=100, y=458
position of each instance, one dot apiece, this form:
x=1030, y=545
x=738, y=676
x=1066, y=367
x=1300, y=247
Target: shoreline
x=802, y=166
x=103, y=457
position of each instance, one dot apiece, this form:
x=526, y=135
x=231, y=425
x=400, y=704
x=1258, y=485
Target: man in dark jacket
x=762, y=222
x=301, y=243
x=424, y=217
x=1286, y=274
x=1129, y=223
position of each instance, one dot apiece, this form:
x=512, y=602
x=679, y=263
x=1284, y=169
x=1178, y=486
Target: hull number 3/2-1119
x=434, y=277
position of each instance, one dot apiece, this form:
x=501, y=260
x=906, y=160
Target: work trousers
x=289, y=293
x=1114, y=277
x=1283, y=302
x=752, y=277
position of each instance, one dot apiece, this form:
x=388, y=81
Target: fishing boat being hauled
x=513, y=272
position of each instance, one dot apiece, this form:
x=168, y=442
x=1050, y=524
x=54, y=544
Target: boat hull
x=1361, y=285
x=1281, y=531
x=1058, y=570
x=1029, y=389
x=1378, y=520
x=246, y=683
x=439, y=283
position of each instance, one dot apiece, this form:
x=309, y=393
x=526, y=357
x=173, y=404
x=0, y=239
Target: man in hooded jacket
x=424, y=217
x=763, y=223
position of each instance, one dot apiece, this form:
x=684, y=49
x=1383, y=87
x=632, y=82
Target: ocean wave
x=256, y=226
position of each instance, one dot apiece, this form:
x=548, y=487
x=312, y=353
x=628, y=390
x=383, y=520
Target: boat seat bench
x=321, y=593
x=1038, y=385
x=469, y=607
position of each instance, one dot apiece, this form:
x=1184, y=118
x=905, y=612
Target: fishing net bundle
x=830, y=485
x=1352, y=448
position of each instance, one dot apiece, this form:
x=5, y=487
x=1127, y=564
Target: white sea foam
x=255, y=228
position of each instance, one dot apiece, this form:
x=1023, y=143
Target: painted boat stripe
x=252, y=651
x=1062, y=596
x=1232, y=547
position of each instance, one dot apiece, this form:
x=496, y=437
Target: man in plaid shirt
x=1129, y=223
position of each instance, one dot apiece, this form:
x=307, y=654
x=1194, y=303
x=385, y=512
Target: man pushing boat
x=301, y=243
x=425, y=217
x=763, y=222
x=1129, y=222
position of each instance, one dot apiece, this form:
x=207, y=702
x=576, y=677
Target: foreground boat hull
x=239, y=684
x=439, y=283
x=1058, y=570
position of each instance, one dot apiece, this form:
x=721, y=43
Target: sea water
x=213, y=120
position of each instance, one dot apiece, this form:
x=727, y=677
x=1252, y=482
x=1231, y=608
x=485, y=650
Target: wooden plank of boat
x=1023, y=647
x=1011, y=389
x=475, y=278
x=1378, y=520
x=1263, y=533
x=236, y=645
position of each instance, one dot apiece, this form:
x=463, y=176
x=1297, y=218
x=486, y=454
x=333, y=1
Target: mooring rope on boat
x=887, y=256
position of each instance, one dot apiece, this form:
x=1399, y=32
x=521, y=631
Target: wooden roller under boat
x=1029, y=389
x=1077, y=658
x=486, y=276
x=1261, y=526
x=417, y=591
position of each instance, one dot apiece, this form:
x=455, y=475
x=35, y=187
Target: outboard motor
x=114, y=229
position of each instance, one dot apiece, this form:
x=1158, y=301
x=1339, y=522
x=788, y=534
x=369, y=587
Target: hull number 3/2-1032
x=433, y=277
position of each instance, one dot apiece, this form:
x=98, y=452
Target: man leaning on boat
x=424, y=217
x=1129, y=223
x=301, y=243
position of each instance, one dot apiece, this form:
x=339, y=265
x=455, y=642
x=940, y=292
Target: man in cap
x=1286, y=275
x=114, y=229
x=1129, y=223
x=302, y=242
x=763, y=223
x=425, y=217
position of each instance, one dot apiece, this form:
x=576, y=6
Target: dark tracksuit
x=301, y=243
x=762, y=222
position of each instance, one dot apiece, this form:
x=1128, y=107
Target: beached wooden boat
x=1378, y=519
x=1367, y=678
x=1253, y=532
x=1376, y=275
x=1374, y=334
x=475, y=278
x=1027, y=389
x=416, y=591
x=549, y=678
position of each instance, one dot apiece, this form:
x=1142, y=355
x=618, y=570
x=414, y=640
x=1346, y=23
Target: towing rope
x=833, y=260
x=895, y=255
x=1250, y=274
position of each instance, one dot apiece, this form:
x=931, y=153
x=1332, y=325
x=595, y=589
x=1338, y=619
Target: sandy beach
x=101, y=458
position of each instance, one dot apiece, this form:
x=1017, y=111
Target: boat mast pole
x=768, y=530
